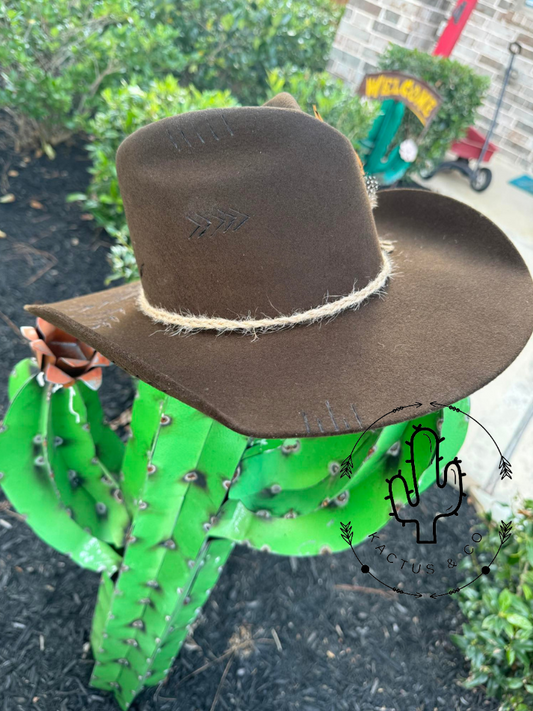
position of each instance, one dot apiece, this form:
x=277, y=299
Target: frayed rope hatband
x=187, y=323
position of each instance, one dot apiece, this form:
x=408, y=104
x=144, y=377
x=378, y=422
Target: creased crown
x=254, y=210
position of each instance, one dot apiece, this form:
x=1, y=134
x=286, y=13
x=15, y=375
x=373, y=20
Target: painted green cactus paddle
x=90, y=489
x=160, y=517
x=30, y=460
x=186, y=479
x=362, y=501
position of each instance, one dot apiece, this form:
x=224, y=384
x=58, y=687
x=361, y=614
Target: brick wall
x=368, y=26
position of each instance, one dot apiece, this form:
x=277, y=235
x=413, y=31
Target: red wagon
x=469, y=148
x=471, y=145
x=475, y=146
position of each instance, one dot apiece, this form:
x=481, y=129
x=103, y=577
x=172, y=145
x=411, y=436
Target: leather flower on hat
x=62, y=358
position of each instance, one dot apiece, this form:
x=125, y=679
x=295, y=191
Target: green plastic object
x=160, y=516
x=380, y=157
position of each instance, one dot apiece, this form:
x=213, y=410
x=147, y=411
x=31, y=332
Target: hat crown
x=246, y=211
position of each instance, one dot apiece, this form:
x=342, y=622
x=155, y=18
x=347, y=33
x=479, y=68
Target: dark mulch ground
x=50, y=252
x=330, y=650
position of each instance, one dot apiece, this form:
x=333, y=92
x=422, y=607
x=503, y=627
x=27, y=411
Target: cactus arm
x=316, y=532
x=190, y=460
x=293, y=464
x=147, y=409
x=188, y=606
x=299, y=481
x=297, y=464
x=364, y=504
x=76, y=503
x=28, y=483
x=101, y=611
x=108, y=445
x=86, y=485
x=19, y=376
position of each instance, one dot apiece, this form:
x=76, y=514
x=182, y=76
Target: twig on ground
x=25, y=250
x=12, y=326
x=222, y=680
x=46, y=268
x=5, y=507
x=276, y=640
x=231, y=650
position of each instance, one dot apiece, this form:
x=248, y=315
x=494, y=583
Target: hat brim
x=457, y=312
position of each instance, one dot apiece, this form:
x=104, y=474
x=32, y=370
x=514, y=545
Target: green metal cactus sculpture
x=159, y=517
x=52, y=474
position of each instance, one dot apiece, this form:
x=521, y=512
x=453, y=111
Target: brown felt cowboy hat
x=269, y=296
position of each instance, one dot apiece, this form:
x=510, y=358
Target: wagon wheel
x=429, y=168
x=481, y=180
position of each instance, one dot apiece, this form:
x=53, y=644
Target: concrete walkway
x=504, y=406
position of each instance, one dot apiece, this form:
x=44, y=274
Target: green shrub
x=335, y=102
x=124, y=110
x=462, y=92
x=65, y=64
x=498, y=635
x=232, y=44
x=56, y=57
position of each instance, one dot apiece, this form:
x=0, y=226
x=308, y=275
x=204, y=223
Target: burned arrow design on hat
x=504, y=464
x=347, y=464
x=230, y=219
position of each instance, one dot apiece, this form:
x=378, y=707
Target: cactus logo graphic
x=419, y=551
x=398, y=485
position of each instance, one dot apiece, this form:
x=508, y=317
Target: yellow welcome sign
x=416, y=94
